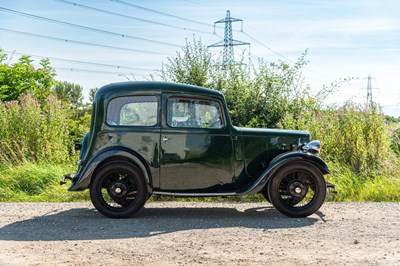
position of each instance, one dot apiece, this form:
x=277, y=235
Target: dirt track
x=172, y=233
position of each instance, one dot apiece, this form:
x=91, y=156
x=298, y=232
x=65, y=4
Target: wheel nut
x=118, y=190
x=297, y=190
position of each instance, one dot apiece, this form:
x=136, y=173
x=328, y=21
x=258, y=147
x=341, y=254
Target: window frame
x=190, y=98
x=157, y=123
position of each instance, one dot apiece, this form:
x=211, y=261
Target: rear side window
x=194, y=113
x=133, y=111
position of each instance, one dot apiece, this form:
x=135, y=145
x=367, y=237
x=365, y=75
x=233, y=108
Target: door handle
x=165, y=139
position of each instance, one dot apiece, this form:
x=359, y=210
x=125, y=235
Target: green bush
x=22, y=77
x=257, y=95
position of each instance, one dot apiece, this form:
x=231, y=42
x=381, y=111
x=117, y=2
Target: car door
x=196, y=146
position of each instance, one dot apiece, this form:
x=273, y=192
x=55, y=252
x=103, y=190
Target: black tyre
x=118, y=190
x=297, y=190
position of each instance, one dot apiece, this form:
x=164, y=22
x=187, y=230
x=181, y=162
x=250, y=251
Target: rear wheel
x=297, y=190
x=118, y=190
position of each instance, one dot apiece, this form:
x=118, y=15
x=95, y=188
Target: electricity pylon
x=228, y=42
x=369, y=92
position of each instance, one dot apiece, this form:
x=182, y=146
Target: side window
x=133, y=111
x=194, y=113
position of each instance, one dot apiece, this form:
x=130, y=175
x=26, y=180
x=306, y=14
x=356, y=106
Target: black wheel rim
x=118, y=190
x=298, y=189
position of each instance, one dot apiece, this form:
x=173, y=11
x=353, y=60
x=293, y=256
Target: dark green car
x=178, y=140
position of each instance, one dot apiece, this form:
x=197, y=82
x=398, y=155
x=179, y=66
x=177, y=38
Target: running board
x=179, y=194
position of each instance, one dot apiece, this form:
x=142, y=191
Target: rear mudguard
x=84, y=175
x=280, y=161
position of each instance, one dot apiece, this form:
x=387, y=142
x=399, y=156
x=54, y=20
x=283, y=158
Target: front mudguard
x=83, y=177
x=297, y=155
x=281, y=161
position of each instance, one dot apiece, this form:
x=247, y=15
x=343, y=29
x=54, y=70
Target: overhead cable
x=81, y=43
x=85, y=27
x=92, y=71
x=162, y=13
x=131, y=17
x=82, y=62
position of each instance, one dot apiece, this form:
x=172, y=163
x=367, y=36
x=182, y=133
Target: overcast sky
x=344, y=38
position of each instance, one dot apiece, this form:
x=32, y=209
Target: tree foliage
x=92, y=93
x=258, y=95
x=69, y=93
x=21, y=77
x=191, y=66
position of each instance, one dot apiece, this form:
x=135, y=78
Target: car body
x=178, y=140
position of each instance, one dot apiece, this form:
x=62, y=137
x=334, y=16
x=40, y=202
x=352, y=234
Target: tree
x=92, y=92
x=69, y=92
x=191, y=66
x=257, y=95
x=21, y=77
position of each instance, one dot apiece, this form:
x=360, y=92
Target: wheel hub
x=297, y=189
x=118, y=189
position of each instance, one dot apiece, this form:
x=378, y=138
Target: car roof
x=152, y=86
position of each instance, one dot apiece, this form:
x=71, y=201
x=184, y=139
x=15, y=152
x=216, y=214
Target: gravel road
x=183, y=233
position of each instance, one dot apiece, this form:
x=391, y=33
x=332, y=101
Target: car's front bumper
x=330, y=189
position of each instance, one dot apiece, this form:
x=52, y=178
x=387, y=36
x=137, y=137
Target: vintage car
x=178, y=140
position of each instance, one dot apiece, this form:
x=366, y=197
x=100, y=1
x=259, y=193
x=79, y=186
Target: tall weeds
x=33, y=132
x=352, y=135
x=359, y=148
x=395, y=140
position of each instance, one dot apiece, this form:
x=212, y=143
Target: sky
x=96, y=42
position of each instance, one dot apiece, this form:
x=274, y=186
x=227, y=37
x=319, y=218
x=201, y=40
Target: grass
x=36, y=182
x=378, y=186
x=40, y=183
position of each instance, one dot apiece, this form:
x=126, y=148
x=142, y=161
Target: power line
x=80, y=42
x=270, y=49
x=82, y=62
x=92, y=71
x=131, y=17
x=84, y=27
x=281, y=55
x=161, y=13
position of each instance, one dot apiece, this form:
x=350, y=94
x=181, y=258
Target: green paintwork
x=182, y=160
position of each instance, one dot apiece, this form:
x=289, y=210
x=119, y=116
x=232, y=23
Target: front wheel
x=297, y=190
x=118, y=190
